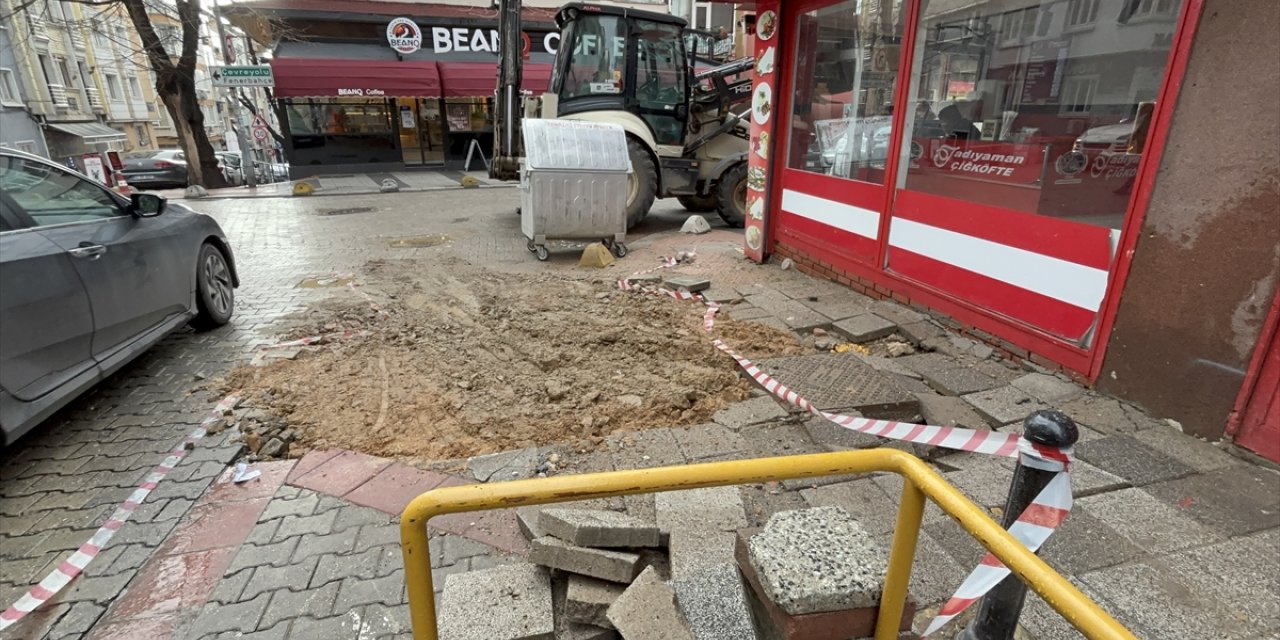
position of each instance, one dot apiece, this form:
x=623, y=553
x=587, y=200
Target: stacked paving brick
x=695, y=573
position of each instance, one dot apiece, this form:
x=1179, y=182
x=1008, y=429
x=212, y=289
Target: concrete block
x=818, y=560
x=692, y=284
x=1003, y=405
x=863, y=499
x=695, y=550
x=615, y=566
x=647, y=611
x=527, y=517
x=749, y=412
x=596, y=256
x=587, y=600
x=1047, y=388
x=714, y=601
x=567, y=629
x=865, y=327
x=598, y=528
x=509, y=602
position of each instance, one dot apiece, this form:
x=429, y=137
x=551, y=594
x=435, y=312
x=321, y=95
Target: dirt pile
x=461, y=361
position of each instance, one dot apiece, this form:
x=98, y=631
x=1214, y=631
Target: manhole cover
x=836, y=382
x=325, y=282
x=433, y=240
x=346, y=212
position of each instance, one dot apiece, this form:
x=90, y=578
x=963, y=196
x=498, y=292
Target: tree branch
x=253, y=108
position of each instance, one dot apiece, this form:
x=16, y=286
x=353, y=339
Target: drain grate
x=346, y=212
x=838, y=382
x=433, y=240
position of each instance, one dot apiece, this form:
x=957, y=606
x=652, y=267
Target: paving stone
x=371, y=564
x=1107, y=415
x=647, y=611
x=888, y=365
x=862, y=499
x=304, y=505
x=312, y=545
x=1129, y=458
x=711, y=508
x=1235, y=500
x=714, y=601
x=380, y=621
x=1146, y=521
x=1189, y=450
x=749, y=412
x=865, y=327
x=275, y=554
x=838, y=307
x=455, y=548
x=1085, y=543
x=615, y=566
x=762, y=501
x=511, y=602
x=1003, y=405
x=692, y=284
x=959, y=381
x=708, y=441
x=793, y=314
x=598, y=528
x=778, y=439
x=567, y=629
x=587, y=600
x=836, y=382
x=528, y=518
x=355, y=592
x=745, y=312
x=949, y=411
x=240, y=616
x=695, y=549
x=1047, y=388
x=269, y=578
x=833, y=437
x=645, y=449
x=818, y=560
x=1225, y=570
x=321, y=523
x=504, y=465
x=286, y=604
x=1183, y=614
x=335, y=627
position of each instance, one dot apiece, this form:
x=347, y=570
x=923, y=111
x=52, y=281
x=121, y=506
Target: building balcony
x=59, y=95
x=95, y=100
x=35, y=25
x=77, y=38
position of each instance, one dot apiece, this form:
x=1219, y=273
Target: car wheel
x=215, y=295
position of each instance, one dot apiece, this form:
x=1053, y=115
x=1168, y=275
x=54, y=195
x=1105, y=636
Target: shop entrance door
x=1259, y=419
x=838, y=121
x=421, y=131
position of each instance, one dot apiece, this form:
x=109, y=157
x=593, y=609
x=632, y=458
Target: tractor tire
x=642, y=183
x=699, y=204
x=731, y=196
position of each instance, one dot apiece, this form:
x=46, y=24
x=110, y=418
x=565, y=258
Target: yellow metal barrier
x=921, y=481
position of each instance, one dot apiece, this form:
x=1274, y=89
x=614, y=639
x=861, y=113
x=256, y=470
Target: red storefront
x=991, y=160
x=1004, y=191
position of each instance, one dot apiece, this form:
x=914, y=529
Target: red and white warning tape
x=74, y=565
x=1033, y=526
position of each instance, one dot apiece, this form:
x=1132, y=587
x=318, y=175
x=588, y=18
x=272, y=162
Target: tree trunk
x=184, y=109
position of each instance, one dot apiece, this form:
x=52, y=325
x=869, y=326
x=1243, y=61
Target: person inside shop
x=955, y=126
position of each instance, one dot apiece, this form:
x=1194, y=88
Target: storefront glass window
x=339, y=116
x=1044, y=109
x=599, y=61
x=842, y=109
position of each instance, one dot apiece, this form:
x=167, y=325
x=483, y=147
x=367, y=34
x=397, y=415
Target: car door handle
x=90, y=251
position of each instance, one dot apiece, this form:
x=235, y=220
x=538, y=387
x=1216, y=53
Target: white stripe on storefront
x=846, y=217
x=1072, y=283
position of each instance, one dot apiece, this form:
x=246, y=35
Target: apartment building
x=78, y=73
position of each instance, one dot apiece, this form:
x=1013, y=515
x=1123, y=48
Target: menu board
x=763, y=106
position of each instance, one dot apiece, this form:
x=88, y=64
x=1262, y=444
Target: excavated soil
x=452, y=360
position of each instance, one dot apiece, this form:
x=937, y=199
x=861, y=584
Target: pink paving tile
x=395, y=486
x=174, y=583
x=165, y=626
x=496, y=528
x=340, y=474
x=312, y=460
x=263, y=486
x=213, y=525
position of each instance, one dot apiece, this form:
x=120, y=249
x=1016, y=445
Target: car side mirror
x=146, y=205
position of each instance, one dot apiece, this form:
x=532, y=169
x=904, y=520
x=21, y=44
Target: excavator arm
x=507, y=142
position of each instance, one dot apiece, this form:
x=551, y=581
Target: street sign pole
x=248, y=161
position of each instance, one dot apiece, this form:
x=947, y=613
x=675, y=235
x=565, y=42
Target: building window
x=113, y=87
x=140, y=131
x=27, y=145
x=344, y=116
x=1078, y=94
x=9, y=93
x=135, y=90
x=1155, y=8
x=1082, y=12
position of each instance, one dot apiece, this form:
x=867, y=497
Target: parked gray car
x=89, y=280
x=166, y=168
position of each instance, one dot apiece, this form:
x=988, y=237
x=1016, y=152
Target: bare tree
x=174, y=73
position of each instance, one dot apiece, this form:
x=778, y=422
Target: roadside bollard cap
x=1052, y=428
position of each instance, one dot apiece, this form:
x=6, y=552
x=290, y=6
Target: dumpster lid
x=575, y=145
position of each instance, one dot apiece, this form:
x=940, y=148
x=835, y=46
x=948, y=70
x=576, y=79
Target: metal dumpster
x=573, y=185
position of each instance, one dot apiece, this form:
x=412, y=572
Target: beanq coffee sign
x=472, y=39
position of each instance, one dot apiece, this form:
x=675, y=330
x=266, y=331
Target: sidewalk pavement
x=1175, y=537
x=354, y=184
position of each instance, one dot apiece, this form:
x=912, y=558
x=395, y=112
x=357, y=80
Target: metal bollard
x=1000, y=609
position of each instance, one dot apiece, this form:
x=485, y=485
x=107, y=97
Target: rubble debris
x=614, y=566
x=647, y=611
x=598, y=528
x=696, y=225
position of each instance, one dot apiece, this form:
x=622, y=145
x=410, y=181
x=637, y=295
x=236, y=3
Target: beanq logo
x=404, y=35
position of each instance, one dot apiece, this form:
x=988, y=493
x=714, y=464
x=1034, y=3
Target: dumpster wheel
x=542, y=253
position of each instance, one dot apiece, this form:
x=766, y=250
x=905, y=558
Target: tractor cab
x=618, y=59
